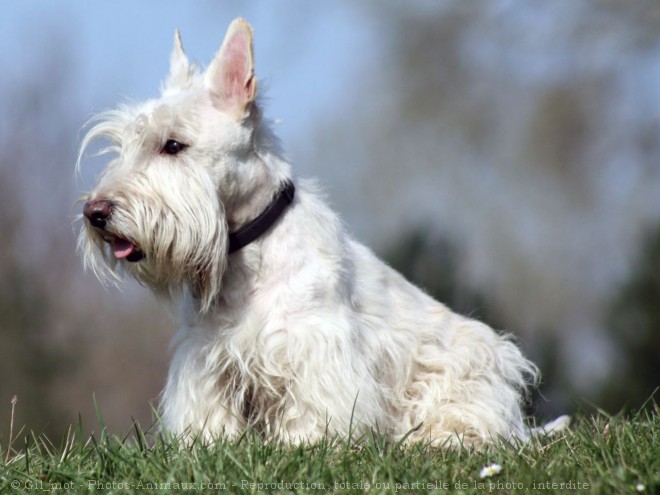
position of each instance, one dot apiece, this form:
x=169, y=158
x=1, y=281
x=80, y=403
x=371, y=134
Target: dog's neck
x=256, y=227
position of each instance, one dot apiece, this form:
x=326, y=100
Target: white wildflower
x=640, y=487
x=491, y=470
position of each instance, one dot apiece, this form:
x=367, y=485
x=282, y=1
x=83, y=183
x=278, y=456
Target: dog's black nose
x=98, y=212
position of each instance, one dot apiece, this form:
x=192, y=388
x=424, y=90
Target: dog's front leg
x=199, y=401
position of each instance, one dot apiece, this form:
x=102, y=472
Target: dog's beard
x=165, y=241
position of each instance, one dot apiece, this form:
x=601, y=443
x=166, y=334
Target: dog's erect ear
x=179, y=75
x=230, y=77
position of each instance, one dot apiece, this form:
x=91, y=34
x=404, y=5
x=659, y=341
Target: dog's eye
x=172, y=147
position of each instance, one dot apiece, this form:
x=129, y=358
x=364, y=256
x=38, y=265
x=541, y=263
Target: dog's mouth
x=123, y=248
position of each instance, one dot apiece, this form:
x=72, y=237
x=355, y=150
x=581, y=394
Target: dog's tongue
x=122, y=248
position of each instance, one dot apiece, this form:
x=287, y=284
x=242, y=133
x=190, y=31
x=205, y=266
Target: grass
x=600, y=454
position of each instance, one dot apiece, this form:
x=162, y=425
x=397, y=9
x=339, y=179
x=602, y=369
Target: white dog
x=289, y=325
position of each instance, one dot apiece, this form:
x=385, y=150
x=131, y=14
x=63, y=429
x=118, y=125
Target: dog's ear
x=180, y=69
x=230, y=77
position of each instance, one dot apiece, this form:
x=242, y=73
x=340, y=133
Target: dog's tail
x=553, y=427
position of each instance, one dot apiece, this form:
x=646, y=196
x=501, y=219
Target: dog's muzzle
x=98, y=213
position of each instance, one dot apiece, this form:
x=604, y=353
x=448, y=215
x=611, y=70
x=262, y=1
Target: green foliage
x=598, y=455
x=433, y=263
x=634, y=323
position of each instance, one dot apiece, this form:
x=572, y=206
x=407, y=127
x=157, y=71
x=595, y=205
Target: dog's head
x=186, y=169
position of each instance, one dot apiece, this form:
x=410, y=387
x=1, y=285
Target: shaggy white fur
x=303, y=332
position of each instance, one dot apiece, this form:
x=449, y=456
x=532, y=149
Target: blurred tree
x=29, y=363
x=634, y=323
x=434, y=264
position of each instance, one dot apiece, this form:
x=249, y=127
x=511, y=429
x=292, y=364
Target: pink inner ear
x=236, y=71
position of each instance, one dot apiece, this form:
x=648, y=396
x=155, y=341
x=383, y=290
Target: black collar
x=252, y=230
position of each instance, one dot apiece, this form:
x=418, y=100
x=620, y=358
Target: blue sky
x=121, y=48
